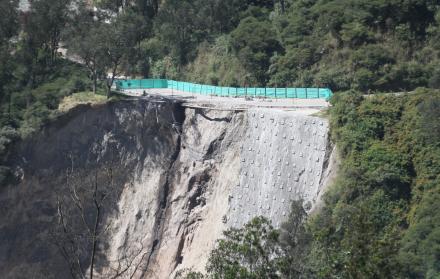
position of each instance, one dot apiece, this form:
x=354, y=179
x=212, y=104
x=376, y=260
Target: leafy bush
x=250, y=252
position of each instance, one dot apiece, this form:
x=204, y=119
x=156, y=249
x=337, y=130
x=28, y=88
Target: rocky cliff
x=171, y=179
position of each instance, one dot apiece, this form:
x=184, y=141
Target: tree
x=105, y=42
x=91, y=50
x=119, y=38
x=250, y=252
x=47, y=19
x=148, y=8
x=254, y=43
x=257, y=250
x=295, y=240
x=86, y=42
x=176, y=26
x=8, y=29
x=8, y=20
x=81, y=230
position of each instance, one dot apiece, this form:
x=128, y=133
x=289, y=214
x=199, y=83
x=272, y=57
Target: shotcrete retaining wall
x=184, y=176
x=282, y=159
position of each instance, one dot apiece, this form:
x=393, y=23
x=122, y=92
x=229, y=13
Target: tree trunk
x=95, y=241
x=95, y=227
x=94, y=82
x=108, y=90
x=94, y=85
x=109, y=84
x=283, y=6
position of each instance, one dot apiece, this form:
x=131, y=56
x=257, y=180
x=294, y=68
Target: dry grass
x=324, y=113
x=75, y=99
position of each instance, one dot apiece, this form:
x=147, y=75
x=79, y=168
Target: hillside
x=178, y=171
x=173, y=178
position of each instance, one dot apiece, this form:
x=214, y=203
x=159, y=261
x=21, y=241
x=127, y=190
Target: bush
x=250, y=252
x=7, y=135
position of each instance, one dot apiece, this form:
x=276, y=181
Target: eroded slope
x=182, y=176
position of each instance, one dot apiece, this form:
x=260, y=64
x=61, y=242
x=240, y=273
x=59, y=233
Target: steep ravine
x=180, y=177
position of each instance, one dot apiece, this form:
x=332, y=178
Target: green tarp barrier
x=209, y=90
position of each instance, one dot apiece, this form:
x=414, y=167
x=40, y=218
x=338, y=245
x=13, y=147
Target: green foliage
x=250, y=252
x=7, y=136
x=430, y=114
x=8, y=20
x=369, y=46
x=419, y=253
x=295, y=239
x=254, y=42
x=217, y=65
x=257, y=250
x=189, y=274
x=26, y=109
x=164, y=68
x=380, y=218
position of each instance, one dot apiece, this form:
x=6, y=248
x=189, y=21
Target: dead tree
x=81, y=230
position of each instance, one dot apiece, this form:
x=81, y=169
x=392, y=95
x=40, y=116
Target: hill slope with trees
x=380, y=219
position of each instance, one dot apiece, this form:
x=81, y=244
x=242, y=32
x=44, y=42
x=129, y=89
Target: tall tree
x=8, y=20
x=85, y=42
x=8, y=29
x=119, y=39
x=254, y=43
x=47, y=20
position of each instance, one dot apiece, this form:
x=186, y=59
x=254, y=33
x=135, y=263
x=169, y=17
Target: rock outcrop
x=181, y=176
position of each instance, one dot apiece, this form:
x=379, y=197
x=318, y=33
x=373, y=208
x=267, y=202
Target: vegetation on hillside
x=370, y=46
x=380, y=218
x=366, y=45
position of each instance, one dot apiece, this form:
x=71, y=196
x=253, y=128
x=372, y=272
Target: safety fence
x=209, y=90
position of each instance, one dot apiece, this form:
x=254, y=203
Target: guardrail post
x=275, y=91
x=286, y=91
x=296, y=94
x=306, y=93
x=265, y=94
x=318, y=92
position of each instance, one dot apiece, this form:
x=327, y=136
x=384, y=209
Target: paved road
x=232, y=103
